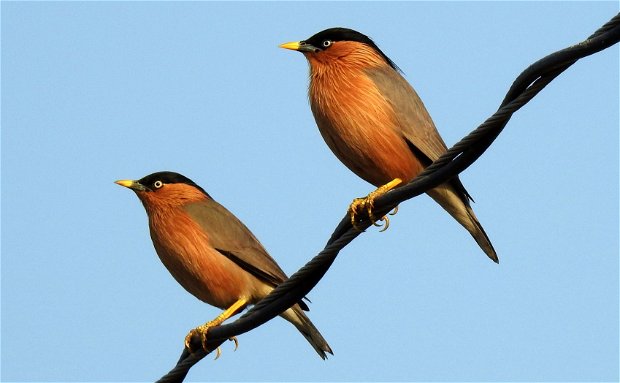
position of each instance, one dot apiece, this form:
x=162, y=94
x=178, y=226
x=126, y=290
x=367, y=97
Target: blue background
x=95, y=92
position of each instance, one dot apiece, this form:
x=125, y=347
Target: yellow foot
x=201, y=331
x=367, y=203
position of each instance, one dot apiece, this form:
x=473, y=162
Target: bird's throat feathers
x=341, y=91
x=339, y=81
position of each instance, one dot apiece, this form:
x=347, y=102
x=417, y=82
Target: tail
x=299, y=319
x=457, y=204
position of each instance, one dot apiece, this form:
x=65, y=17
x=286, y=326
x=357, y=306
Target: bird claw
x=201, y=331
x=218, y=351
x=234, y=339
x=383, y=226
x=368, y=204
x=393, y=212
x=354, y=208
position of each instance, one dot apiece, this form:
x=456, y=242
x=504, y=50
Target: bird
x=211, y=253
x=375, y=123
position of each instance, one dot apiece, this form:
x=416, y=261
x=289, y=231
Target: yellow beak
x=125, y=183
x=133, y=185
x=293, y=45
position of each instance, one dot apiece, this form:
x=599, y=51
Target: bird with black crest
x=376, y=124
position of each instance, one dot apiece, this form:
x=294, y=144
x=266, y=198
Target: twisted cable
x=464, y=153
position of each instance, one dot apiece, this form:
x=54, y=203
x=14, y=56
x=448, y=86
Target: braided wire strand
x=526, y=86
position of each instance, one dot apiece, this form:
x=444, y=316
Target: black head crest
x=169, y=178
x=346, y=34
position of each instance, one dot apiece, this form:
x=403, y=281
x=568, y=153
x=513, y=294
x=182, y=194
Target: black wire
x=527, y=85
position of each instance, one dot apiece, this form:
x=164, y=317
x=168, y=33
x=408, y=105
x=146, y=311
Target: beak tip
x=294, y=46
x=125, y=183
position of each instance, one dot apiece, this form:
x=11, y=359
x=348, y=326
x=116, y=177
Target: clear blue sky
x=95, y=92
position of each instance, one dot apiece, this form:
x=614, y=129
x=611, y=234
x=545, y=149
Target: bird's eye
x=158, y=184
x=327, y=43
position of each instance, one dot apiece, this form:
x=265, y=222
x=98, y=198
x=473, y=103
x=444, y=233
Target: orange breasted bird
x=211, y=253
x=375, y=122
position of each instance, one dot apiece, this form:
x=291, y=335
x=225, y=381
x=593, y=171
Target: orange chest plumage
x=360, y=126
x=203, y=271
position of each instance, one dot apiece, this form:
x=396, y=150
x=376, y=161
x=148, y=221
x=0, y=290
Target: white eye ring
x=327, y=43
x=157, y=184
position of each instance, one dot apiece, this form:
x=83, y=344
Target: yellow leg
x=368, y=204
x=202, y=330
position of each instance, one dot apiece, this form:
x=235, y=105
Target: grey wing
x=415, y=123
x=234, y=240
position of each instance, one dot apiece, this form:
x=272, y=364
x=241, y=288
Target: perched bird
x=374, y=121
x=211, y=253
